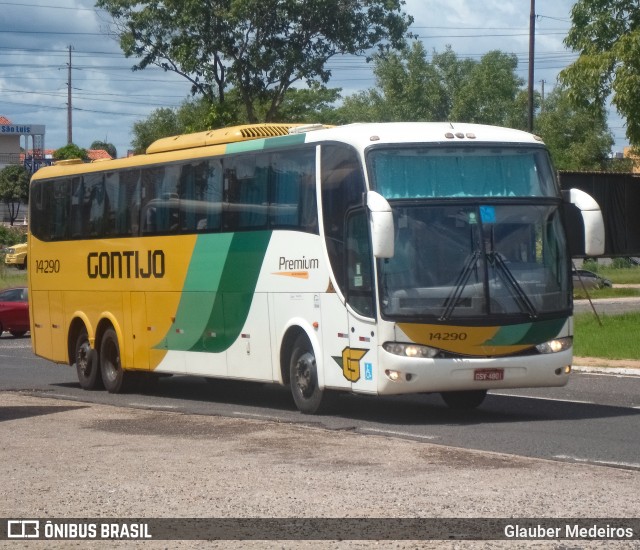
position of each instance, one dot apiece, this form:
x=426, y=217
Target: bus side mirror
x=382, y=232
x=591, y=219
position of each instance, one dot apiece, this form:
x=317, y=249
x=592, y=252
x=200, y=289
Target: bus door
x=360, y=359
x=335, y=340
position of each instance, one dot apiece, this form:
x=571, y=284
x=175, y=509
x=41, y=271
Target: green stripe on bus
x=533, y=333
x=268, y=143
x=230, y=265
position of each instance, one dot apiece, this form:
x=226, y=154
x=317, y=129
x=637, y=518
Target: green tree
x=105, y=146
x=578, y=138
x=261, y=48
x=14, y=189
x=192, y=116
x=410, y=87
x=160, y=123
x=488, y=93
x=606, y=33
x=197, y=115
x=364, y=106
x=70, y=151
x=453, y=73
x=310, y=105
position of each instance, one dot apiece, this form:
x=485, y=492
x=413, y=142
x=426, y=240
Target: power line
x=39, y=6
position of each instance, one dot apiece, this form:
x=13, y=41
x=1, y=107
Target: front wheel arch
x=307, y=393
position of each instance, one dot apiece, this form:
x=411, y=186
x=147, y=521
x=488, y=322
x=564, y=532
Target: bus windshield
x=420, y=171
x=465, y=261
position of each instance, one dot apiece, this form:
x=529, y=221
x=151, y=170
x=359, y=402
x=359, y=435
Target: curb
x=606, y=370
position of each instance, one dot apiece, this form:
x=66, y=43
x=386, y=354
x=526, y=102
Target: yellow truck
x=17, y=255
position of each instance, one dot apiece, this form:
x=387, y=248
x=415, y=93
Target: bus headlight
x=556, y=345
x=410, y=350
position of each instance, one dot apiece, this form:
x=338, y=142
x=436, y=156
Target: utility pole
x=542, y=83
x=532, y=32
x=69, y=107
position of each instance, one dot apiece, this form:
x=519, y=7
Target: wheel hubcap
x=111, y=362
x=83, y=359
x=304, y=374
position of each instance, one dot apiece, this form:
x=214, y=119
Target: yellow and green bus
x=369, y=258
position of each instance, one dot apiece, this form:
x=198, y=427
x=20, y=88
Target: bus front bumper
x=399, y=375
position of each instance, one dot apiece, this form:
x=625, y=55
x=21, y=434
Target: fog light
x=393, y=375
x=567, y=369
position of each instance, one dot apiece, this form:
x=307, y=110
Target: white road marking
x=151, y=407
x=599, y=462
x=260, y=416
x=545, y=398
x=403, y=434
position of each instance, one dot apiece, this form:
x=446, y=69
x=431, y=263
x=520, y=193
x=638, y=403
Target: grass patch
x=616, y=339
x=619, y=275
x=579, y=293
x=10, y=276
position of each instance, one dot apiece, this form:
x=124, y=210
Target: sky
x=108, y=97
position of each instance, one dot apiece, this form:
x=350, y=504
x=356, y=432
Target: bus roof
x=239, y=138
x=365, y=134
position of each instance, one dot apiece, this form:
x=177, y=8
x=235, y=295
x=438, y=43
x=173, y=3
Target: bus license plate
x=488, y=375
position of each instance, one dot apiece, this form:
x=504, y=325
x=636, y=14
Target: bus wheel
x=303, y=373
x=87, y=363
x=114, y=377
x=464, y=400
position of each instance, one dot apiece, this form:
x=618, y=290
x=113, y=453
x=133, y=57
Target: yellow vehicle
x=376, y=259
x=17, y=255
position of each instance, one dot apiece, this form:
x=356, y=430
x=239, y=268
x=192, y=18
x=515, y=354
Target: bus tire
x=463, y=400
x=303, y=371
x=87, y=365
x=114, y=377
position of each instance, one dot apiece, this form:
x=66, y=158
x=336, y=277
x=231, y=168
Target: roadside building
x=24, y=144
x=16, y=138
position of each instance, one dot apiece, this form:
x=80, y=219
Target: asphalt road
x=594, y=420
x=608, y=306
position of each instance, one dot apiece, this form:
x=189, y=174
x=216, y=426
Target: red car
x=14, y=311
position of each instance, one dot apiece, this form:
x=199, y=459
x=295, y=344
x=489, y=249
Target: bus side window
x=246, y=190
x=293, y=190
x=151, y=187
x=129, y=198
x=59, y=210
x=359, y=263
x=95, y=205
x=115, y=212
x=342, y=188
x=212, y=197
x=77, y=208
x=200, y=196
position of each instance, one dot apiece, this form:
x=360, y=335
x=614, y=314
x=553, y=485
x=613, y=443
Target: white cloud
x=108, y=97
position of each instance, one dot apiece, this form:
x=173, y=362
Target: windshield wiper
x=516, y=290
x=452, y=300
